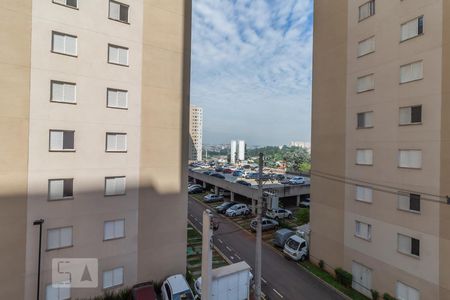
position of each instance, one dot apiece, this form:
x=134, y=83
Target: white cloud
x=251, y=69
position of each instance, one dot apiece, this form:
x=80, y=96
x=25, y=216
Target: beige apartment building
x=196, y=133
x=381, y=146
x=94, y=130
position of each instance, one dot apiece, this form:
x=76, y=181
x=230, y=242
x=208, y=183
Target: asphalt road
x=281, y=278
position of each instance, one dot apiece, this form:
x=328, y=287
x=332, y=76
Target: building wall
x=328, y=131
x=15, y=60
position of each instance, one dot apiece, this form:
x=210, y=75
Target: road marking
x=220, y=241
x=263, y=280
x=278, y=293
x=229, y=249
x=237, y=256
x=195, y=218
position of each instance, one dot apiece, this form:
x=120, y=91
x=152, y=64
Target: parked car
x=297, y=180
x=243, y=182
x=266, y=224
x=208, y=172
x=176, y=287
x=143, y=291
x=296, y=248
x=217, y=175
x=227, y=171
x=251, y=175
x=195, y=190
x=238, y=173
x=219, y=169
x=237, y=210
x=212, y=198
x=286, y=180
x=191, y=186
x=279, y=177
x=224, y=193
x=278, y=213
x=222, y=208
x=305, y=202
x=281, y=236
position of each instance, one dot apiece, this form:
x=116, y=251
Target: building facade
x=380, y=147
x=241, y=150
x=91, y=85
x=196, y=133
x=233, y=151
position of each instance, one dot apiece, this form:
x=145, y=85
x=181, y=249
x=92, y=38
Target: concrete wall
x=15, y=60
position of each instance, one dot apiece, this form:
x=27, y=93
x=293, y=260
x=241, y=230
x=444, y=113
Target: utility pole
x=207, y=246
x=259, y=230
x=39, y=223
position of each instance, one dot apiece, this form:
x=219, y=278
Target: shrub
x=375, y=294
x=124, y=294
x=386, y=296
x=343, y=277
x=303, y=216
x=321, y=264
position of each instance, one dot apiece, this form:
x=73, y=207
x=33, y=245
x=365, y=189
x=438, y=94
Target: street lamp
x=39, y=222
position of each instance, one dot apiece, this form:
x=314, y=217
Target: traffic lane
x=291, y=281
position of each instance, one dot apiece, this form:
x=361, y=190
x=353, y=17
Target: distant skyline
x=251, y=70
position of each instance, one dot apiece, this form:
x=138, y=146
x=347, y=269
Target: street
x=281, y=278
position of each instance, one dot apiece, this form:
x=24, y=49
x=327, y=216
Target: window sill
x=112, y=287
x=410, y=124
x=61, y=199
x=365, y=54
x=60, y=248
x=62, y=150
x=402, y=83
x=117, y=64
x=64, y=5
x=63, y=102
x=409, y=168
x=114, y=151
x=117, y=107
x=364, y=165
x=362, y=201
x=360, y=20
x=415, y=212
x=362, y=238
x=65, y=54
x=115, y=195
x=120, y=21
x=369, y=127
x=409, y=254
x=411, y=38
x=114, y=239
x=365, y=91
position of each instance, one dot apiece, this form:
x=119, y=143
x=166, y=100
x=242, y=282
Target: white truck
x=231, y=282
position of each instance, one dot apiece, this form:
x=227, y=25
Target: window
x=411, y=115
x=62, y=140
x=367, y=10
x=63, y=92
x=364, y=157
x=70, y=3
x=57, y=293
x=366, y=46
x=116, y=142
x=411, y=29
x=411, y=72
x=365, y=120
x=59, y=238
x=409, y=202
x=59, y=189
x=114, y=229
x=118, y=55
x=363, y=230
x=364, y=194
x=405, y=292
x=408, y=245
x=64, y=43
x=113, y=277
x=365, y=83
x=118, y=11
x=115, y=186
x=410, y=159
x=117, y=98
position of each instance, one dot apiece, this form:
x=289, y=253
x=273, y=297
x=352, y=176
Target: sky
x=251, y=69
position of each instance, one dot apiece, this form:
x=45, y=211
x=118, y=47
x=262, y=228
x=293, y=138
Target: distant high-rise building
x=305, y=145
x=196, y=133
x=241, y=150
x=94, y=129
x=233, y=151
x=380, y=144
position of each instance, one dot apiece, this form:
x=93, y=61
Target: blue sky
x=251, y=69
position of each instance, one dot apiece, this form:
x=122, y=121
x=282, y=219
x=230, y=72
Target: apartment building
x=380, y=146
x=94, y=129
x=196, y=133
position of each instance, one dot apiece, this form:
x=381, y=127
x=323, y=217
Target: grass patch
x=328, y=278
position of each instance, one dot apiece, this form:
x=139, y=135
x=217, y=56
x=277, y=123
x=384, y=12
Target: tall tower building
x=380, y=146
x=196, y=133
x=94, y=127
x=241, y=150
x=233, y=151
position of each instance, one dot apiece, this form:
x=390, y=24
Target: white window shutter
x=56, y=189
x=114, y=10
x=112, y=98
x=118, y=276
x=53, y=239
x=58, y=42
x=57, y=91
x=69, y=92
x=108, y=230
x=120, y=185
x=110, y=186
x=404, y=243
x=368, y=119
x=405, y=115
x=123, y=56
x=111, y=142
x=56, y=140
x=121, y=142
x=107, y=279
x=66, y=236
x=71, y=45
x=119, y=228
x=122, y=99
x=51, y=293
x=113, y=54
x=403, y=201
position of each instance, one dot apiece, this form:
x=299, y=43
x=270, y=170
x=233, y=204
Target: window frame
x=356, y=158
x=364, y=76
x=120, y=47
x=116, y=151
x=413, y=80
x=411, y=246
x=113, y=285
x=418, y=34
x=362, y=41
x=50, y=285
x=62, y=82
x=116, y=90
x=66, y=5
x=60, y=247
x=408, y=286
x=63, y=198
x=410, y=196
x=64, y=34
x=364, y=113
x=411, y=108
x=369, y=231
x=410, y=168
x=121, y=4
x=114, y=238
x=60, y=150
x=370, y=15
x=364, y=187
x=114, y=177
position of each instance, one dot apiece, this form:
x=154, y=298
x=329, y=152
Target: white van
x=176, y=288
x=296, y=248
